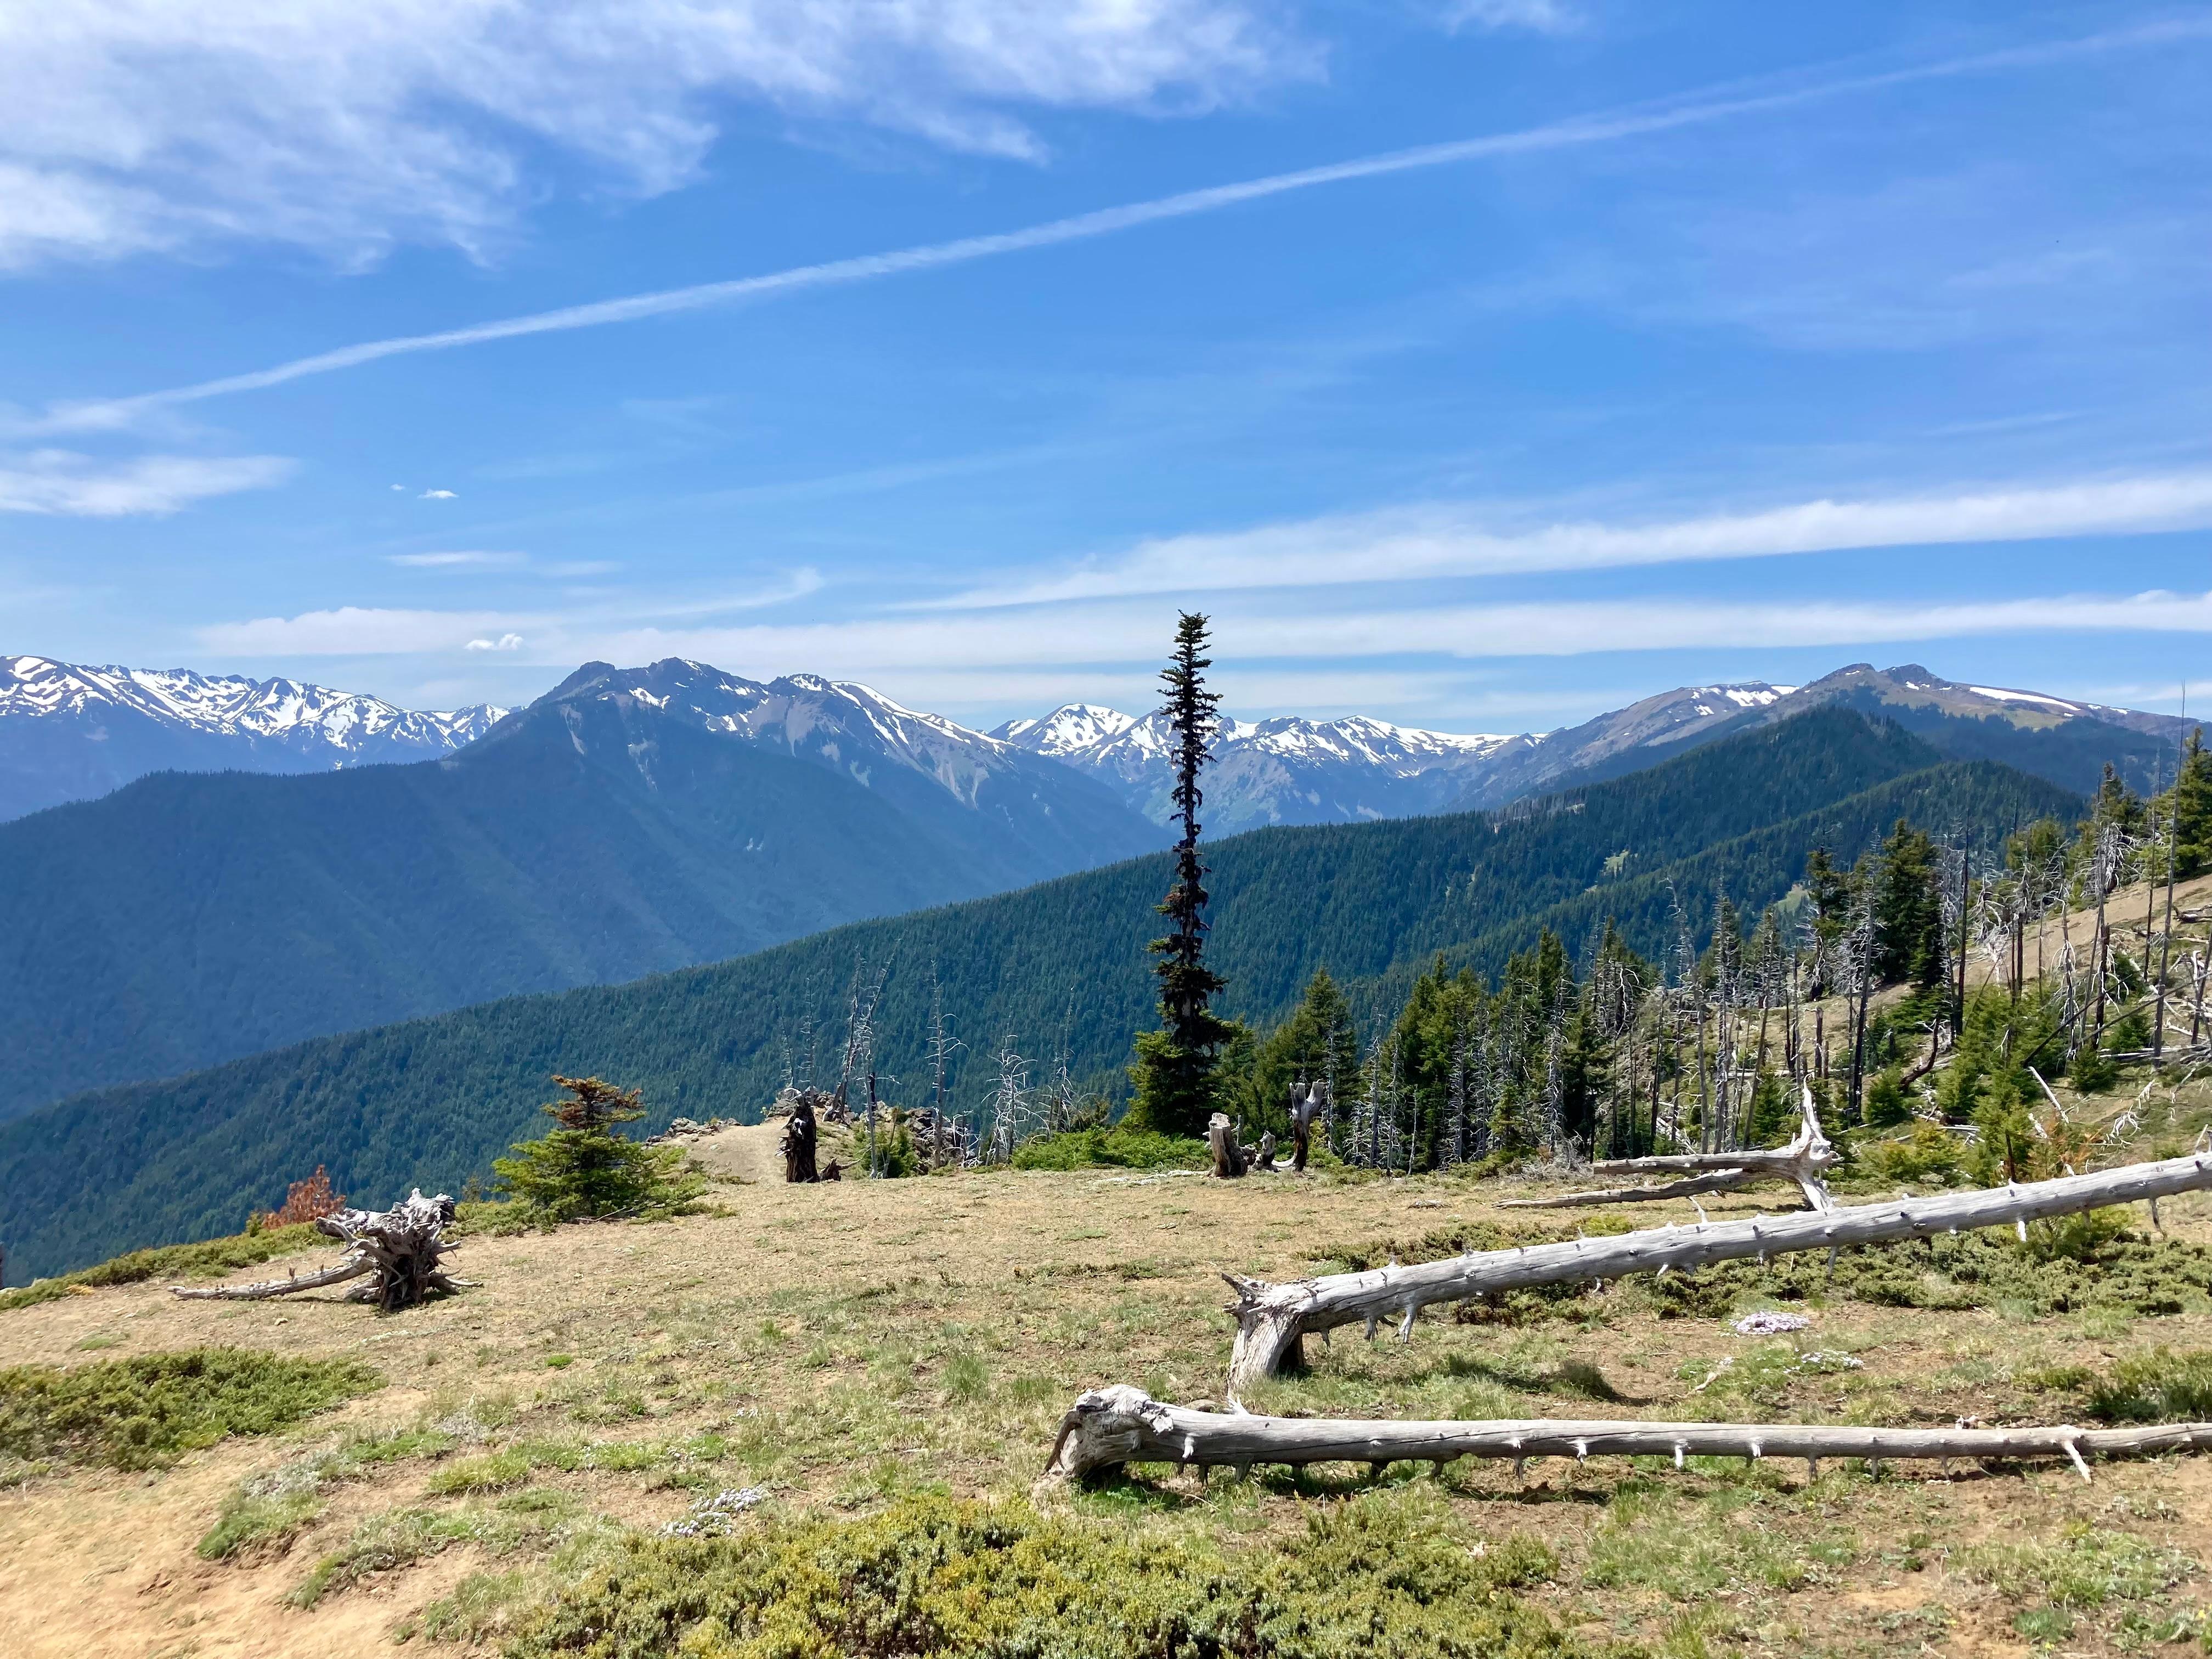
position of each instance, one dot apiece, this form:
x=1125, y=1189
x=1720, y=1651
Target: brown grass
x=841, y=1343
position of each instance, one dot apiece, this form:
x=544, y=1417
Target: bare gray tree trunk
x=1113, y=1426
x=1272, y=1320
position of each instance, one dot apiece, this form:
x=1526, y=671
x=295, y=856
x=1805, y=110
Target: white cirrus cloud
x=1450, y=539
x=463, y=559
x=1606, y=127
x=63, y=482
x=356, y=630
x=1539, y=17
x=437, y=496
x=504, y=642
x=348, y=127
x=1071, y=640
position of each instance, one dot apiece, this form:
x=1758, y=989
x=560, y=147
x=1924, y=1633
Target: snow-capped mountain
x=1299, y=771
x=1285, y=771
x=1001, y=800
x=2066, y=741
x=1620, y=740
x=72, y=732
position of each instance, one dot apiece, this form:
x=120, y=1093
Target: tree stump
x=1228, y=1156
x=398, y=1250
x=800, y=1137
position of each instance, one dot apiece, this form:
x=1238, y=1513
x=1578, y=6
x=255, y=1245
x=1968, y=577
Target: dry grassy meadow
x=844, y=1344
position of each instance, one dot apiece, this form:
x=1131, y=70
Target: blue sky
x=1477, y=363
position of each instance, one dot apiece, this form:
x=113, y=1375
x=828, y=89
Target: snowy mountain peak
x=1284, y=769
x=228, y=705
x=1069, y=728
x=73, y=731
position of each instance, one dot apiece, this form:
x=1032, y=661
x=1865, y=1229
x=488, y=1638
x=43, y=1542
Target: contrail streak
x=1693, y=109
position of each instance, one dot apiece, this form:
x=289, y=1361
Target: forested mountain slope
x=432, y=1100
x=190, y=919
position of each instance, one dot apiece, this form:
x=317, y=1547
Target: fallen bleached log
x=1109, y=1427
x=401, y=1247
x=1272, y=1320
x=1805, y=1160
x=1720, y=1181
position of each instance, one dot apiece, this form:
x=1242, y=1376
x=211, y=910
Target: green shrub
x=2159, y=1386
x=209, y=1259
x=140, y=1414
x=1119, y=1148
x=930, y=1575
x=583, y=1168
x=1929, y=1153
x=1886, y=1104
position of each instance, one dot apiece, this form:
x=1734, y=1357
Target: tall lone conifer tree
x=1175, y=1070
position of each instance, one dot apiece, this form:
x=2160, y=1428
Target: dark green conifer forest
x=1549, y=898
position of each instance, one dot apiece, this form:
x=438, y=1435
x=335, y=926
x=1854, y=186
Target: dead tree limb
x=1720, y=1181
x=1113, y=1426
x=1805, y=1160
x=1272, y=1320
x=402, y=1247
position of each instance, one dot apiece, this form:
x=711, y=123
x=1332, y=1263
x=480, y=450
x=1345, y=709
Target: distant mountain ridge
x=2063, y=741
x=631, y=821
x=1028, y=818
x=73, y=732
x=1300, y=771
x=1285, y=770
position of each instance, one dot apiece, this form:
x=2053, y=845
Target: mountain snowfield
x=1285, y=770
x=73, y=732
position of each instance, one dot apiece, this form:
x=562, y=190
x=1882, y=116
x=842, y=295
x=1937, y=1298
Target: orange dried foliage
x=308, y=1200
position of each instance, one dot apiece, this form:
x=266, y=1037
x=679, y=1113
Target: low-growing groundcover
x=210, y=1258
x=1118, y=1148
x=144, y=1413
x=929, y=1575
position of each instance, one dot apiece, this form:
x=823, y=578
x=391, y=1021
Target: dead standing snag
x=1272, y=1320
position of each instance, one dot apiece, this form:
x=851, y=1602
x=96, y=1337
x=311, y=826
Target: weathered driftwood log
x=1109, y=1427
x=1228, y=1155
x=400, y=1247
x=1272, y=1320
x=1720, y=1181
x=1805, y=1160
